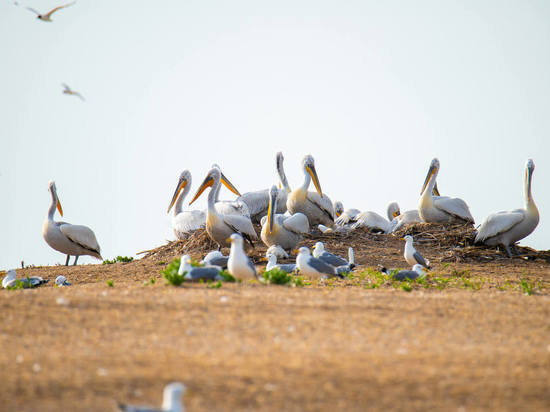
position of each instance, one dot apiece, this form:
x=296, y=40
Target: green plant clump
x=227, y=277
x=110, y=283
x=123, y=259
x=280, y=277
x=171, y=273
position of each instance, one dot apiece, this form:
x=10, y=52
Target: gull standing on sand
x=69, y=91
x=239, y=265
x=411, y=254
x=312, y=266
x=506, y=228
x=72, y=240
x=48, y=15
x=28, y=282
x=171, y=401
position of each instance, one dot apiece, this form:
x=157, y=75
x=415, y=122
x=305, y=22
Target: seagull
x=411, y=254
x=277, y=251
x=62, y=281
x=330, y=258
x=29, y=282
x=48, y=15
x=239, y=265
x=416, y=273
x=198, y=272
x=68, y=90
x=171, y=401
x=215, y=258
x=312, y=266
x=272, y=264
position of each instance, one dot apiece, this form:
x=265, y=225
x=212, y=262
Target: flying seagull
x=68, y=90
x=48, y=15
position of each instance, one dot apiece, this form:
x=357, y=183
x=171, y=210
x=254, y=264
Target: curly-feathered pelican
x=184, y=222
x=220, y=226
x=277, y=229
x=317, y=207
x=230, y=207
x=376, y=223
x=73, y=240
x=258, y=201
x=506, y=228
x=441, y=209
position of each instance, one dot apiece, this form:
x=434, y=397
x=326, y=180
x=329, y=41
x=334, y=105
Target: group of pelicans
x=285, y=215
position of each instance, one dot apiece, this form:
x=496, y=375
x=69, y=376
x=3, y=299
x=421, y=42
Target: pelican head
x=432, y=172
x=309, y=168
x=273, y=192
x=53, y=190
x=338, y=208
x=214, y=176
x=529, y=169
x=393, y=211
x=171, y=397
x=183, y=181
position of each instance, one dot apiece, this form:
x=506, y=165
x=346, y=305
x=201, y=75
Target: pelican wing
x=240, y=224
x=372, y=220
x=257, y=202
x=323, y=203
x=188, y=221
x=81, y=235
x=454, y=206
x=497, y=223
x=232, y=207
x=297, y=223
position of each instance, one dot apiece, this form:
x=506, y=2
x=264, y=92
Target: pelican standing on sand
x=239, y=265
x=506, y=228
x=184, y=222
x=317, y=207
x=441, y=209
x=411, y=254
x=277, y=229
x=73, y=240
x=220, y=226
x=258, y=201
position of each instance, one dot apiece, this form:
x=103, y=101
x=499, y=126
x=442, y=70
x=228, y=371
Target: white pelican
x=215, y=258
x=312, y=266
x=220, y=226
x=376, y=223
x=47, y=16
x=171, y=401
x=338, y=207
x=277, y=229
x=346, y=217
x=191, y=272
x=272, y=264
x=409, y=216
x=73, y=240
x=71, y=92
x=441, y=209
x=28, y=282
x=239, y=265
x=411, y=254
x=416, y=272
x=506, y=228
x=316, y=206
x=277, y=251
x=230, y=207
x=258, y=201
x=184, y=222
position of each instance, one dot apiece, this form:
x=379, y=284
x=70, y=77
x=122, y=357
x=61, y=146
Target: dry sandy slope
x=255, y=347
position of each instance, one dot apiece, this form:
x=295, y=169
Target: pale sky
x=373, y=90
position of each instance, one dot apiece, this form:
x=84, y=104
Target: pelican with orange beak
x=72, y=240
x=218, y=225
x=317, y=207
x=277, y=229
x=441, y=209
x=184, y=222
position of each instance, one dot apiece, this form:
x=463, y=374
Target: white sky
x=373, y=90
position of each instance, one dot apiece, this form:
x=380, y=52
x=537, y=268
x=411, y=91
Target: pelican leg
x=75, y=259
x=507, y=248
x=67, y=261
x=515, y=249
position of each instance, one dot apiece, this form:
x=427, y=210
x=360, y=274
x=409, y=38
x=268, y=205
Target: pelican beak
x=181, y=185
x=280, y=186
x=395, y=214
x=436, y=190
x=337, y=213
x=271, y=211
x=401, y=238
x=59, y=208
x=431, y=172
x=228, y=240
x=207, y=182
x=313, y=173
x=229, y=185
x=263, y=259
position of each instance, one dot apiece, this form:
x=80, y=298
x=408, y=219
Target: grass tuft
x=280, y=277
x=122, y=259
x=110, y=283
x=171, y=273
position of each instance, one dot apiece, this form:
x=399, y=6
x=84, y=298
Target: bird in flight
x=48, y=15
x=68, y=90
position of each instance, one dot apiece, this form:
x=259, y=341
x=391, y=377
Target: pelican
x=198, y=272
x=171, y=401
x=441, y=209
x=230, y=207
x=316, y=206
x=278, y=251
x=272, y=264
x=239, y=265
x=184, y=222
x=258, y=201
x=312, y=266
x=506, y=228
x=338, y=207
x=221, y=226
x=346, y=217
x=376, y=223
x=411, y=254
x=409, y=216
x=28, y=282
x=215, y=258
x=285, y=231
x=48, y=15
x=73, y=240
x=416, y=273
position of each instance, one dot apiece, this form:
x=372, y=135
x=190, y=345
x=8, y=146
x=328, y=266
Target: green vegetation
x=110, y=283
x=280, y=277
x=527, y=287
x=227, y=277
x=123, y=259
x=171, y=273
x=19, y=284
x=212, y=285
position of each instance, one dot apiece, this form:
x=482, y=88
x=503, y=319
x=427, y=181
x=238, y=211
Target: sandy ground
x=335, y=345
